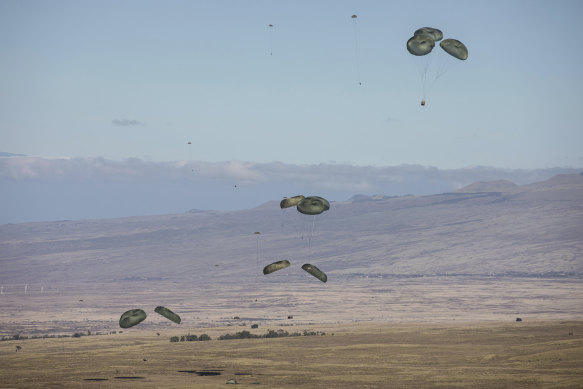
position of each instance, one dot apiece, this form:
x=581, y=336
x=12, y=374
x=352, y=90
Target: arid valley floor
x=422, y=292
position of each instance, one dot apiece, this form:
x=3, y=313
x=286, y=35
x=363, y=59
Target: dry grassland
x=477, y=355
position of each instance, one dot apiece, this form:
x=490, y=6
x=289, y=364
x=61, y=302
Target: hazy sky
x=119, y=79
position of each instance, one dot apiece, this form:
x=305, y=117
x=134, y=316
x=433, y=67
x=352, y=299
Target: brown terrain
x=421, y=292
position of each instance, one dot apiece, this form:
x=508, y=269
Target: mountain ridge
x=533, y=230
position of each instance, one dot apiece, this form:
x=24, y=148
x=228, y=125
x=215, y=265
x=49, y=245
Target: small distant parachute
x=291, y=201
x=434, y=33
x=168, y=314
x=257, y=233
x=131, y=318
x=313, y=270
x=313, y=205
x=455, y=48
x=354, y=17
x=275, y=266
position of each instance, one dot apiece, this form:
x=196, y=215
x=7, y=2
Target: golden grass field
x=528, y=354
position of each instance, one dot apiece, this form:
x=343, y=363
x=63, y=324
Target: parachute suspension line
x=257, y=261
x=189, y=144
x=424, y=71
x=311, y=236
x=354, y=17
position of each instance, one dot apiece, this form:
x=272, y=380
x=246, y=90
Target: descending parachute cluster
x=136, y=316
x=422, y=43
x=311, y=205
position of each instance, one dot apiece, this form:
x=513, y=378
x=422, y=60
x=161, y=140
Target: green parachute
x=313, y=270
x=431, y=68
x=168, y=314
x=434, y=33
x=455, y=48
x=291, y=201
x=275, y=266
x=420, y=45
x=131, y=318
x=313, y=205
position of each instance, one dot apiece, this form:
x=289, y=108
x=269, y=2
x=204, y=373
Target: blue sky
x=121, y=79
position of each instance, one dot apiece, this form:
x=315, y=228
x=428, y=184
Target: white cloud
x=414, y=179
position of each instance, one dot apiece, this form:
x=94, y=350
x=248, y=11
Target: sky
x=122, y=79
x=109, y=83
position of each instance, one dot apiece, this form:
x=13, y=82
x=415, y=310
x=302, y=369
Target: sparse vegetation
x=420, y=356
x=189, y=338
x=270, y=334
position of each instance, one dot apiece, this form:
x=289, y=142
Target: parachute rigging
x=421, y=45
x=354, y=17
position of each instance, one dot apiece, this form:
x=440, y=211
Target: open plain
x=477, y=355
x=421, y=292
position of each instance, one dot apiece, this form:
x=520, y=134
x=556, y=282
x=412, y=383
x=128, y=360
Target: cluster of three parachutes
x=422, y=43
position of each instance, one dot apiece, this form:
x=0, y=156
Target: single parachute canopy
x=291, y=202
x=434, y=33
x=168, y=314
x=313, y=205
x=455, y=48
x=313, y=270
x=354, y=16
x=131, y=318
x=420, y=45
x=275, y=266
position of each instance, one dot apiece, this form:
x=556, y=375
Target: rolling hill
x=483, y=229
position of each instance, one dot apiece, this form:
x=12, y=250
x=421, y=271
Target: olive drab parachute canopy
x=131, y=318
x=275, y=266
x=455, y=48
x=313, y=205
x=354, y=16
x=313, y=270
x=291, y=202
x=420, y=45
x=432, y=67
x=168, y=314
x=434, y=33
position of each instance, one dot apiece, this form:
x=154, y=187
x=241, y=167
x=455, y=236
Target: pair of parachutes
x=136, y=316
x=313, y=270
x=422, y=43
x=311, y=205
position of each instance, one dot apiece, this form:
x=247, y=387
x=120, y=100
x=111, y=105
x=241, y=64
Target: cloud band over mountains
x=98, y=187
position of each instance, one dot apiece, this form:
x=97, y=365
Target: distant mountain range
x=5, y=154
x=490, y=228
